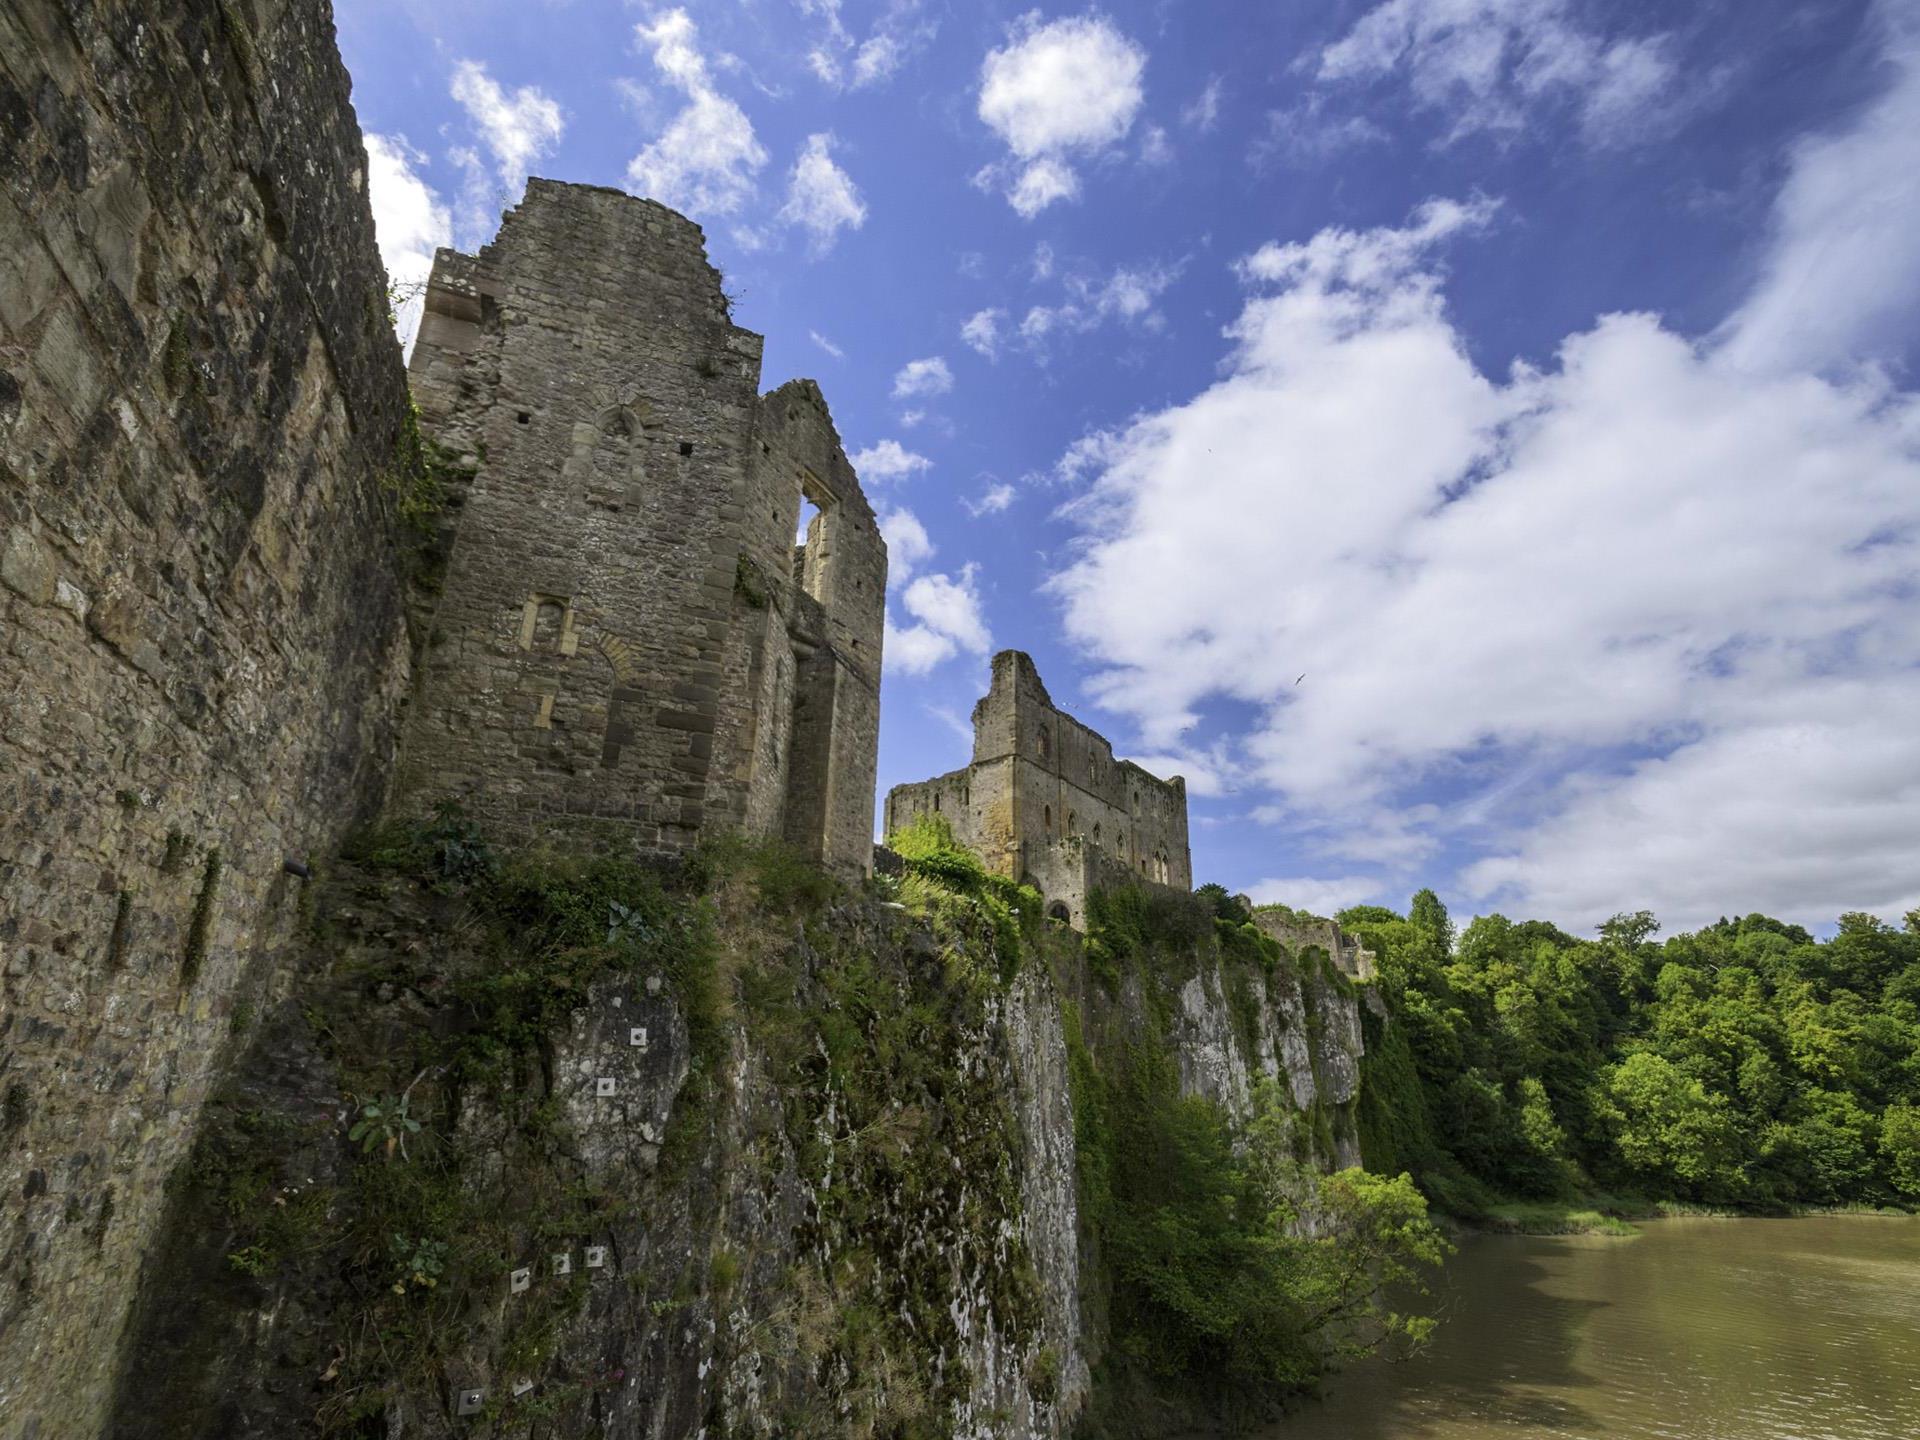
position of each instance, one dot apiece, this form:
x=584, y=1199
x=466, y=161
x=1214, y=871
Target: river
x=1805, y=1329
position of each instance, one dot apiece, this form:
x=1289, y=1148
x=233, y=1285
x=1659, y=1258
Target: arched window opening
x=1058, y=911
x=617, y=473
x=1073, y=824
x=1046, y=743
x=1046, y=815
x=546, y=625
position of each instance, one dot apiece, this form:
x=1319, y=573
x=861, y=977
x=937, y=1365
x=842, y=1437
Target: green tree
x=1900, y=1146
x=1672, y=1135
x=1430, y=919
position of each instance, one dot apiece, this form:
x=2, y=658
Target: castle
x=213, y=664
x=628, y=638
x=1045, y=802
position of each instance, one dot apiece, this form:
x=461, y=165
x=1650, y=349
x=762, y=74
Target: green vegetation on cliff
x=1234, y=1271
x=1743, y=1065
x=808, y=1134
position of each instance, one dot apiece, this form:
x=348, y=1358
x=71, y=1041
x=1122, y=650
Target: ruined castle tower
x=1045, y=802
x=629, y=644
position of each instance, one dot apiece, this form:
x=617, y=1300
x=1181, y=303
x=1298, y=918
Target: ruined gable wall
x=586, y=364
x=1067, y=872
x=1045, y=800
x=1064, y=782
x=817, y=787
x=201, y=643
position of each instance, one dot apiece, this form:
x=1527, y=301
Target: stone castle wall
x=625, y=637
x=1045, y=800
x=1298, y=932
x=201, y=638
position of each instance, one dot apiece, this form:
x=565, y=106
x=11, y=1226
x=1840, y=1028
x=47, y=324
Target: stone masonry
x=629, y=643
x=1298, y=932
x=202, y=648
x=1044, y=801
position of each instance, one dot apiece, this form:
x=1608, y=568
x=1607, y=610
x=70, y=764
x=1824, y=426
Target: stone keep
x=630, y=646
x=1044, y=801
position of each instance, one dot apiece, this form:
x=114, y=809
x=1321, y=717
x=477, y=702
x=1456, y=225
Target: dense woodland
x=1743, y=1065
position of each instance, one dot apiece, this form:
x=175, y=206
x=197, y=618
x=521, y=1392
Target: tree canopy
x=1745, y=1063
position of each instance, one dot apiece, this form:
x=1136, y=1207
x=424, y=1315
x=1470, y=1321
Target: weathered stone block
x=26, y=568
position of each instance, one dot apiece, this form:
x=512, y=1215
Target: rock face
x=201, y=639
x=854, y=1208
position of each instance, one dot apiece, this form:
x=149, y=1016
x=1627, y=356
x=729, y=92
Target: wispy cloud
x=996, y=497
x=518, y=128
x=821, y=197
x=706, y=159
x=1485, y=66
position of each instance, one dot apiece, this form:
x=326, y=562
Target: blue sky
x=1533, y=377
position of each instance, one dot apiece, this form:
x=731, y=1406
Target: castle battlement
x=1045, y=801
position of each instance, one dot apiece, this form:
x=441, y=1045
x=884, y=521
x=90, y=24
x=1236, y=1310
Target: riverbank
x=1613, y=1215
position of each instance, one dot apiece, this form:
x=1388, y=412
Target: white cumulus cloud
x=948, y=620
x=1672, y=595
x=1056, y=90
x=887, y=460
x=410, y=223
x=908, y=545
x=1317, y=897
x=929, y=376
x=821, y=197
x=706, y=159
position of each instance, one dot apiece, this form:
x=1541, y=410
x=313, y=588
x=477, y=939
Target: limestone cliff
x=810, y=1160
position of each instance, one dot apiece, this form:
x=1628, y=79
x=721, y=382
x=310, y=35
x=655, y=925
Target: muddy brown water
x=1803, y=1329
